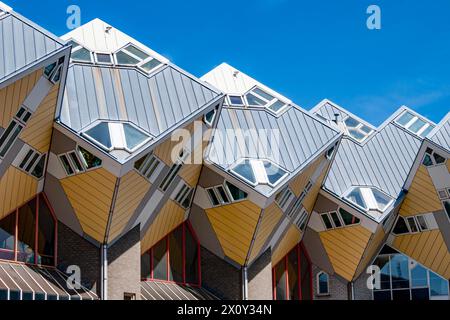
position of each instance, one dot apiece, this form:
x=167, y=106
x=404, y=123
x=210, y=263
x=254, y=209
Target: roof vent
x=336, y=118
x=108, y=29
x=235, y=73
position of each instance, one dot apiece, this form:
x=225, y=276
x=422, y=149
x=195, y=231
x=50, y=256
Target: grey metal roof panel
x=22, y=43
x=384, y=161
x=156, y=104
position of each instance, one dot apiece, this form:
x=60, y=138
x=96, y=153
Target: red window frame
x=36, y=233
x=185, y=226
x=298, y=249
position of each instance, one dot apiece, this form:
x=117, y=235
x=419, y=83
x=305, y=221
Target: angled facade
x=122, y=176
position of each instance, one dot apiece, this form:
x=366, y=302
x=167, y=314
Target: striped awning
x=152, y=290
x=24, y=282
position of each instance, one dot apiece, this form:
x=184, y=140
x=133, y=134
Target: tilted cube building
x=122, y=176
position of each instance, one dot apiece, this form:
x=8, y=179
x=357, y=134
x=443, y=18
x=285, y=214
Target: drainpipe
x=351, y=291
x=104, y=272
x=244, y=283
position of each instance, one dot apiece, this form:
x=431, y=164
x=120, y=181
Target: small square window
x=103, y=58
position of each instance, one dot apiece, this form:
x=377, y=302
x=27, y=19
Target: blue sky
x=306, y=50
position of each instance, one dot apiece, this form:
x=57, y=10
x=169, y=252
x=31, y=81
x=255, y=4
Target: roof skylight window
x=259, y=172
x=117, y=136
x=80, y=53
x=415, y=124
x=368, y=198
x=356, y=129
x=133, y=56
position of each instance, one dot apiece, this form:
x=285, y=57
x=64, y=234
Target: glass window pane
x=305, y=269
x=323, y=283
x=447, y=208
x=65, y=162
x=427, y=131
x=417, y=125
x=90, y=160
x=82, y=55
x=405, y=118
x=133, y=136
x=176, y=255
x=7, y=231
x=152, y=64
x=192, y=271
x=244, y=169
x=160, y=260
x=145, y=266
x=293, y=276
x=438, y=285
x=400, y=272
x=236, y=101
x=356, y=134
x=223, y=194
x=382, y=295
x=137, y=52
x=422, y=223
x=418, y=276
x=277, y=106
x=254, y=101
x=213, y=197
x=100, y=133
x=124, y=58
x=236, y=193
x=427, y=161
x=381, y=199
x=336, y=220
x=412, y=224
x=15, y=133
x=26, y=229
x=401, y=227
x=439, y=159
x=366, y=129
x=38, y=170
x=280, y=281
x=348, y=218
x=46, y=233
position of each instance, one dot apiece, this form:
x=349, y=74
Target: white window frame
x=225, y=184
x=182, y=194
x=302, y=219
x=33, y=161
x=341, y=220
x=318, y=284
x=433, y=160
x=104, y=63
x=284, y=198
x=210, y=123
x=259, y=172
x=170, y=176
x=72, y=164
x=236, y=105
x=219, y=197
x=78, y=47
x=18, y=121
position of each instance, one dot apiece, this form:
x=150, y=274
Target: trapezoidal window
x=175, y=258
x=28, y=234
x=292, y=278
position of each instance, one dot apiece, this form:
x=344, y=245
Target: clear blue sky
x=306, y=50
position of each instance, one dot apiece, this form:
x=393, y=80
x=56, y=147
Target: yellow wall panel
x=131, y=191
x=269, y=220
x=422, y=196
x=299, y=183
x=170, y=217
x=235, y=226
x=427, y=248
x=291, y=238
x=16, y=188
x=12, y=96
x=90, y=195
x=345, y=248
x=38, y=132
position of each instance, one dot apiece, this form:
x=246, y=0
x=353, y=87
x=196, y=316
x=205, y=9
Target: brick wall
x=220, y=277
x=74, y=250
x=360, y=288
x=124, y=266
x=260, y=278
